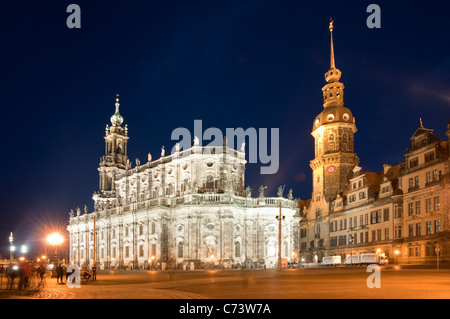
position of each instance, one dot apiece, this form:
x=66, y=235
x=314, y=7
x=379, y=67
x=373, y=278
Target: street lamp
x=55, y=239
x=280, y=218
x=11, y=248
x=396, y=252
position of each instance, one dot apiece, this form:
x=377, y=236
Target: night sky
x=229, y=63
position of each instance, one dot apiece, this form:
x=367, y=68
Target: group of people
x=23, y=271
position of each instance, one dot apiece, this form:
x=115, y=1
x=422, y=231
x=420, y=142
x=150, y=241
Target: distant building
x=189, y=209
x=403, y=208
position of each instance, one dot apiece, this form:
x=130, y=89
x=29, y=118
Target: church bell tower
x=115, y=159
x=333, y=131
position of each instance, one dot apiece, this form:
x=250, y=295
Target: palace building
x=186, y=210
x=402, y=211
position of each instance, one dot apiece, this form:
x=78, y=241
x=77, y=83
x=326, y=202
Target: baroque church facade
x=401, y=211
x=186, y=210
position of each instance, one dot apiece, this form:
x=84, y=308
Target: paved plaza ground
x=396, y=282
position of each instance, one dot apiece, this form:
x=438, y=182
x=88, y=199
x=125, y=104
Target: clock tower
x=333, y=131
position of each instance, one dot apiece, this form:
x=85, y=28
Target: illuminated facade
x=186, y=210
x=401, y=211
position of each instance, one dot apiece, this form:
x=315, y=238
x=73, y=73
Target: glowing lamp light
x=55, y=239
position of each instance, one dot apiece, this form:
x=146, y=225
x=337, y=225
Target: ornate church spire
x=332, y=64
x=117, y=119
x=333, y=74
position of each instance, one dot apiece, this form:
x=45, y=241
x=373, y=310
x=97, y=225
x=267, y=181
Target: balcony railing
x=200, y=199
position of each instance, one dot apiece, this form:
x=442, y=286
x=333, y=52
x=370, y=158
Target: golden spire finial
x=117, y=98
x=331, y=27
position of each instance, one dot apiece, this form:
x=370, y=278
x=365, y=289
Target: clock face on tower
x=331, y=169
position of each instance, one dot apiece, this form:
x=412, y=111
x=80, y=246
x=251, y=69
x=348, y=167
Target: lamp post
x=437, y=249
x=11, y=248
x=396, y=252
x=23, y=250
x=279, y=238
x=55, y=240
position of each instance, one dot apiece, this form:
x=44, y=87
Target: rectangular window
x=114, y=252
x=428, y=205
x=411, y=230
x=366, y=219
x=419, y=229
x=102, y=253
x=361, y=220
x=386, y=214
x=362, y=195
x=366, y=235
x=379, y=234
x=437, y=203
x=411, y=182
x=373, y=235
x=429, y=228
x=127, y=252
x=141, y=250
x=418, y=207
x=437, y=226
x=397, y=211
x=303, y=233
x=417, y=250
x=333, y=241
x=416, y=181
x=361, y=237
x=355, y=221
x=350, y=222
x=386, y=234
x=429, y=250
x=398, y=231
x=429, y=156
x=428, y=178
x=435, y=175
x=410, y=209
x=413, y=162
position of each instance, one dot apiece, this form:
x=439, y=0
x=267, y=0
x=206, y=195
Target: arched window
x=271, y=249
x=209, y=182
x=180, y=249
x=237, y=249
x=153, y=228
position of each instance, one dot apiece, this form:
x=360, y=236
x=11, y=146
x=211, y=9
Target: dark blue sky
x=229, y=63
